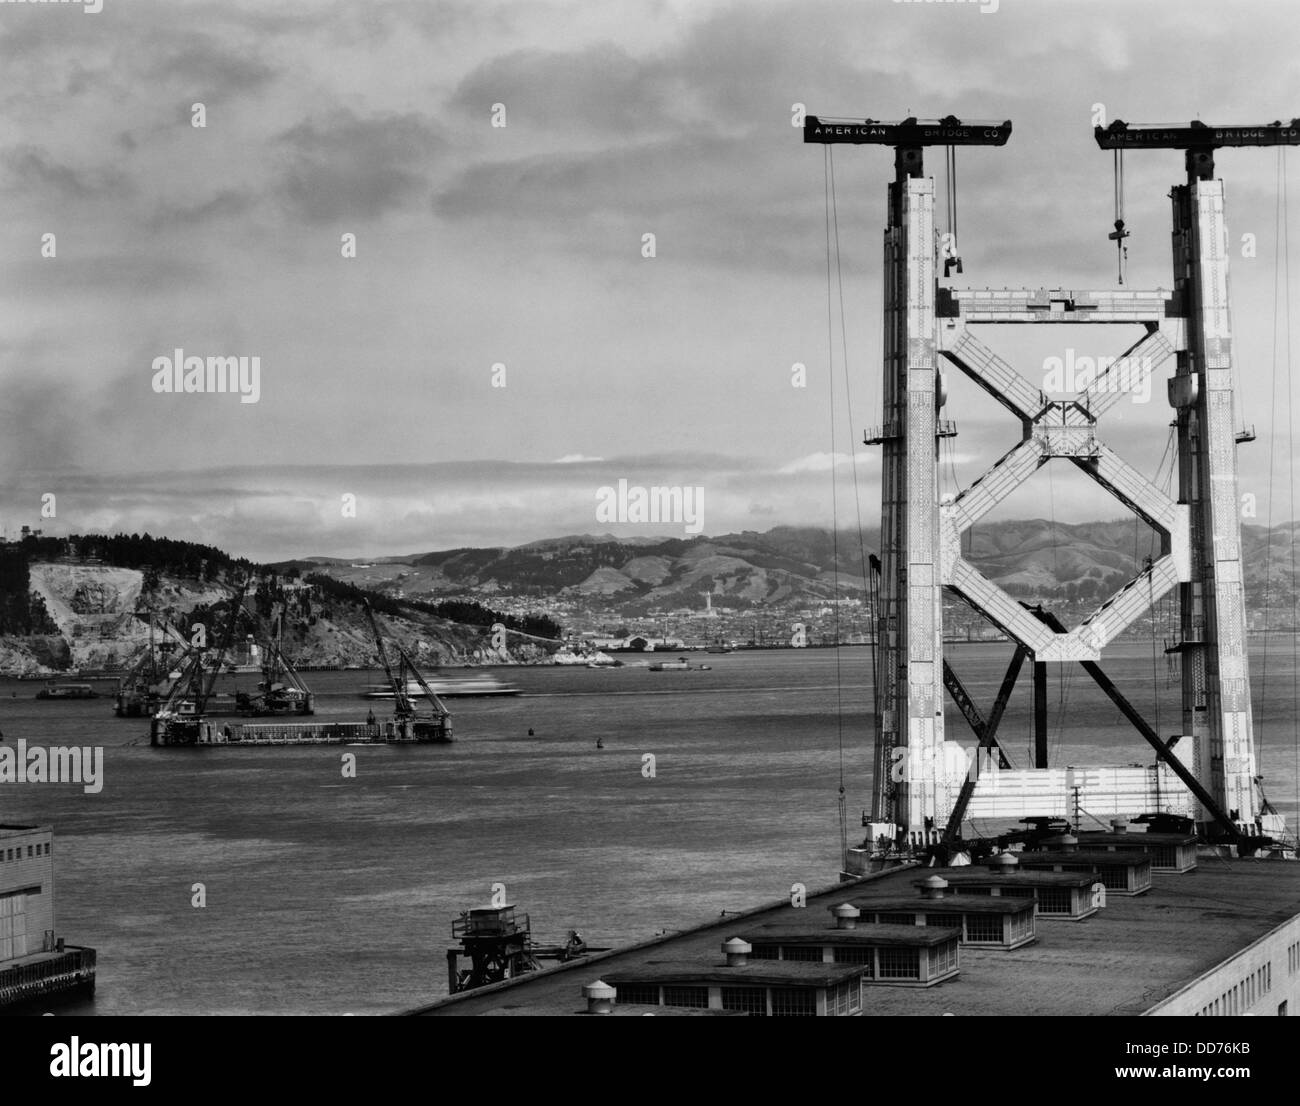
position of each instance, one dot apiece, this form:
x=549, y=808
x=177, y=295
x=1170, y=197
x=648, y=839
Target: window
x=953, y=921
x=687, y=996
x=854, y=954
x=1164, y=856
x=1020, y=925
x=640, y=994
x=808, y=953
x=794, y=1002
x=29, y=852
x=749, y=1000
x=984, y=927
x=900, y=964
x=844, y=999
x=766, y=952
x=1054, y=900
x=1115, y=878
x=943, y=958
x=1019, y=892
x=897, y=919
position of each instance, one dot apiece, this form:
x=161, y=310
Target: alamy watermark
x=91, y=7
x=917, y=764
x=1099, y=374
x=179, y=373
x=53, y=764
x=637, y=504
x=987, y=7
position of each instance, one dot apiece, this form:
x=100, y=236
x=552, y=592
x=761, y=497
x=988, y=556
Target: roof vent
x=1068, y=842
x=1003, y=862
x=1119, y=825
x=933, y=887
x=600, y=997
x=737, y=952
x=846, y=916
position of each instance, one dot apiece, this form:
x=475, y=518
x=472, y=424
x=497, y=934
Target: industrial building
x=34, y=962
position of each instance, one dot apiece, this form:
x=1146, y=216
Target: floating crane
x=409, y=724
x=282, y=690
x=180, y=719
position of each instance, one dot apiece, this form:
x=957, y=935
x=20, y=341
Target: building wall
x=1257, y=981
x=26, y=861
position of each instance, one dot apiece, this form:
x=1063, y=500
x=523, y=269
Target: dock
x=65, y=972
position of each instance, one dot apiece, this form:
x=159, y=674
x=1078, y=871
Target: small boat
x=447, y=687
x=679, y=665
x=67, y=691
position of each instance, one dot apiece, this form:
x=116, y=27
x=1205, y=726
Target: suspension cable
x=829, y=190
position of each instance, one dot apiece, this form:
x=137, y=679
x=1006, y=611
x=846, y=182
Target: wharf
x=42, y=975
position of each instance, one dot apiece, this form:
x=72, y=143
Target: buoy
x=600, y=743
x=530, y=731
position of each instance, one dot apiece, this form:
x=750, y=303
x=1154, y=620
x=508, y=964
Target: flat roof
x=865, y=933
x=1153, y=840
x=949, y=904
x=979, y=875
x=1127, y=957
x=1109, y=860
x=755, y=973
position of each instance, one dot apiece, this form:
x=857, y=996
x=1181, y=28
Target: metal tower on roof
x=915, y=793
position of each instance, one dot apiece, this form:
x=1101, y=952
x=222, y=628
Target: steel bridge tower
x=916, y=791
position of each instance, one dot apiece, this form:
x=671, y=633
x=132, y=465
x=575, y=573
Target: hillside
x=94, y=615
x=789, y=566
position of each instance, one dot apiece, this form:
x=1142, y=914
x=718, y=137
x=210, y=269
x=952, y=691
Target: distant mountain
x=797, y=565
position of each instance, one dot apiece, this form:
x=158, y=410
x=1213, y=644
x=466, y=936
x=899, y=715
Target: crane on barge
x=406, y=718
x=180, y=720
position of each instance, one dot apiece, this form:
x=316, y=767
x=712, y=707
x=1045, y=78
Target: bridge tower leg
x=910, y=791
x=1215, y=680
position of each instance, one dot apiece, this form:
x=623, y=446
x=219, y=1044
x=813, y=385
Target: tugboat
x=67, y=691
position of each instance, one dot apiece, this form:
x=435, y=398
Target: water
x=331, y=895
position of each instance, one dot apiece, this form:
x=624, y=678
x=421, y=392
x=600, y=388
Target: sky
x=500, y=348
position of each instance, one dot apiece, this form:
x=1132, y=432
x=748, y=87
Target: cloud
x=344, y=166
x=31, y=169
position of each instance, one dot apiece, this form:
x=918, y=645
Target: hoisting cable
x=1119, y=233
x=857, y=495
x=951, y=258
x=829, y=189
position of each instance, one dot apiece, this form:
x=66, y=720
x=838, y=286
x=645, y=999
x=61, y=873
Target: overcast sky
x=481, y=245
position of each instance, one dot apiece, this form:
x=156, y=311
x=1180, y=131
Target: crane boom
x=948, y=131
x=403, y=709
x=1195, y=136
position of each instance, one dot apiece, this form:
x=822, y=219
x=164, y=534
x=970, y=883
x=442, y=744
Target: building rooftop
x=1122, y=961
